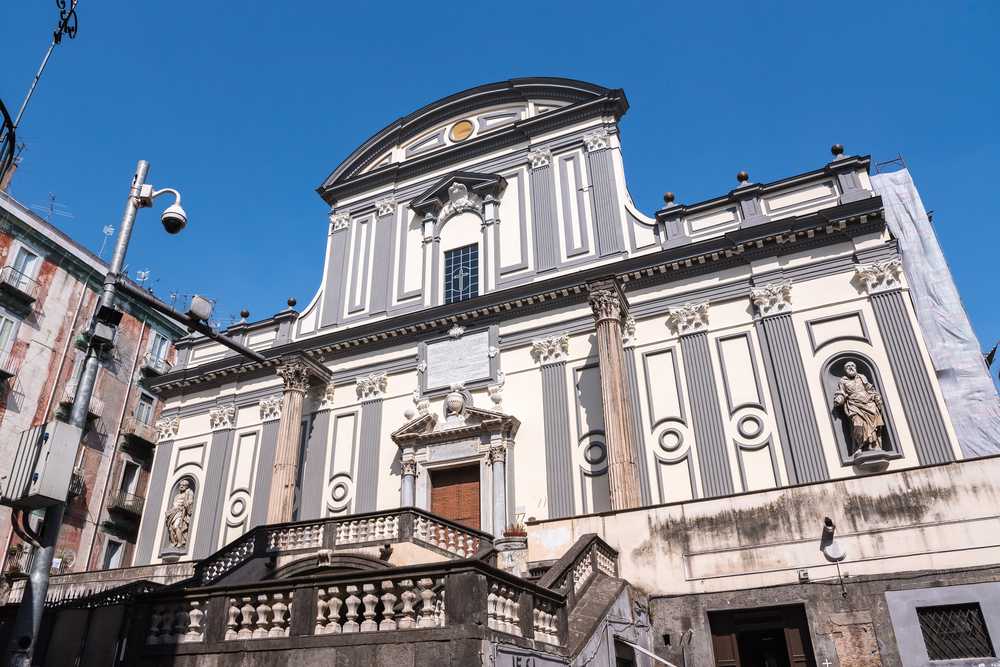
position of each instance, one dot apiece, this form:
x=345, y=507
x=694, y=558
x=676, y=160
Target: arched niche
x=178, y=518
x=833, y=371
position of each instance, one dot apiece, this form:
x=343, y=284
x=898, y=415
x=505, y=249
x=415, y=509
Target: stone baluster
x=352, y=610
x=279, y=628
x=195, y=615
x=388, y=607
x=180, y=622
x=263, y=618
x=155, y=619
x=232, y=620
x=407, y=613
x=322, y=610
x=246, y=622
x=369, y=600
x=492, y=600
x=427, y=603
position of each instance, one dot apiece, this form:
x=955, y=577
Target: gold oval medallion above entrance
x=461, y=130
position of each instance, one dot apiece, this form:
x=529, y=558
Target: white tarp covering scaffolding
x=965, y=381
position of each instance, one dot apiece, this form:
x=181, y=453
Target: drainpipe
x=118, y=431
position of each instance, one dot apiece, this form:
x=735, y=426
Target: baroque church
x=522, y=422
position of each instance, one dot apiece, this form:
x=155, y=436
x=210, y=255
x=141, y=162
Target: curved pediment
x=464, y=118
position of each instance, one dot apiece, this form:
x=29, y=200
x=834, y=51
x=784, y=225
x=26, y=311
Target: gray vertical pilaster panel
x=366, y=496
x=265, y=472
x=606, y=206
x=310, y=503
x=709, y=432
x=927, y=427
x=436, y=277
x=632, y=386
x=558, y=442
x=336, y=286
x=154, y=499
x=382, y=275
x=543, y=218
x=216, y=474
x=795, y=416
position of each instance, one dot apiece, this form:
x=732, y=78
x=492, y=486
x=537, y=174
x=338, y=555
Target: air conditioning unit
x=43, y=466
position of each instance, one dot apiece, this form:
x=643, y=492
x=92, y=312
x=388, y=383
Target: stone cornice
x=735, y=248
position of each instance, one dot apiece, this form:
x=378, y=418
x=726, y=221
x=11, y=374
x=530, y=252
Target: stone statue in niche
x=862, y=405
x=178, y=520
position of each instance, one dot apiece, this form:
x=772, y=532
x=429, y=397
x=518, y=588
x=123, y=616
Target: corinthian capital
x=294, y=375
x=550, y=350
x=385, y=206
x=222, y=417
x=880, y=276
x=689, y=318
x=607, y=301
x=539, y=157
x=372, y=386
x=772, y=298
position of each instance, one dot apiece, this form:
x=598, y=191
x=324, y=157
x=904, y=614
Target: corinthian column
x=295, y=376
x=610, y=309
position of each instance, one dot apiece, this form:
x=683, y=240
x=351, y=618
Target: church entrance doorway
x=765, y=637
x=455, y=494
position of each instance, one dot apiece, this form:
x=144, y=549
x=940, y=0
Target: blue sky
x=246, y=107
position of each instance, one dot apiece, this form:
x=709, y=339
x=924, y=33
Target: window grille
x=461, y=273
x=955, y=631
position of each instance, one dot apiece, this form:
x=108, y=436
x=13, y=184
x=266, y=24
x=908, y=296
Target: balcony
x=17, y=285
x=127, y=503
x=8, y=366
x=17, y=564
x=153, y=366
x=139, y=433
x=95, y=409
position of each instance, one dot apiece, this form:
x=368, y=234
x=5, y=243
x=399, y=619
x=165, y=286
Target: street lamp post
x=29, y=616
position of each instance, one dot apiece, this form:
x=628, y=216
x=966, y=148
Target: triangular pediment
x=473, y=421
x=476, y=183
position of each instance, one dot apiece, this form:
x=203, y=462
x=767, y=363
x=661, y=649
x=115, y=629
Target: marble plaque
x=458, y=360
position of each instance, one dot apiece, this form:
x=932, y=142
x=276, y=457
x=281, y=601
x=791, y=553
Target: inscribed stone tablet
x=458, y=360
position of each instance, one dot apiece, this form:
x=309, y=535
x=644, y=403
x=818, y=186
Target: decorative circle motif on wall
x=239, y=507
x=750, y=426
x=461, y=130
x=671, y=440
x=594, y=453
x=339, y=491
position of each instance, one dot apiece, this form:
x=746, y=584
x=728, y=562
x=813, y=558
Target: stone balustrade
x=389, y=605
x=263, y=616
x=291, y=538
x=372, y=529
x=545, y=622
x=448, y=537
x=503, y=609
x=176, y=623
x=583, y=571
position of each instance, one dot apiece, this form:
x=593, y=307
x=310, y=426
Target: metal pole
x=29, y=616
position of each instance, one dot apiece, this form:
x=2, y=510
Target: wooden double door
x=765, y=637
x=455, y=494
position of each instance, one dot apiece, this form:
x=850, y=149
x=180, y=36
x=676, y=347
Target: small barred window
x=955, y=631
x=461, y=273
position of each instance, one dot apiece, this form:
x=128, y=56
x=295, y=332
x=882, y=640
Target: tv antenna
x=53, y=208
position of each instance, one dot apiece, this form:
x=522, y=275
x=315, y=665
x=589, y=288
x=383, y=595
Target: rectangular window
x=7, y=326
x=112, y=554
x=25, y=262
x=158, y=347
x=461, y=273
x=144, y=408
x=130, y=478
x=955, y=631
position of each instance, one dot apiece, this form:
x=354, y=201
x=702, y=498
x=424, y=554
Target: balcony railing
x=8, y=366
x=18, y=560
x=127, y=503
x=18, y=285
x=154, y=365
x=95, y=409
x=136, y=430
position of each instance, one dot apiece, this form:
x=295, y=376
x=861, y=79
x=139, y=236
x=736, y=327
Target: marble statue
x=862, y=404
x=178, y=521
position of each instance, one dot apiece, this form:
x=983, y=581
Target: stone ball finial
x=244, y=313
x=291, y=302
x=742, y=177
x=668, y=198
x=837, y=150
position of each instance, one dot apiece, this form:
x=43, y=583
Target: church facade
x=732, y=405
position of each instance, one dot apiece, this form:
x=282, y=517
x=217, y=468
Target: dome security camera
x=174, y=219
